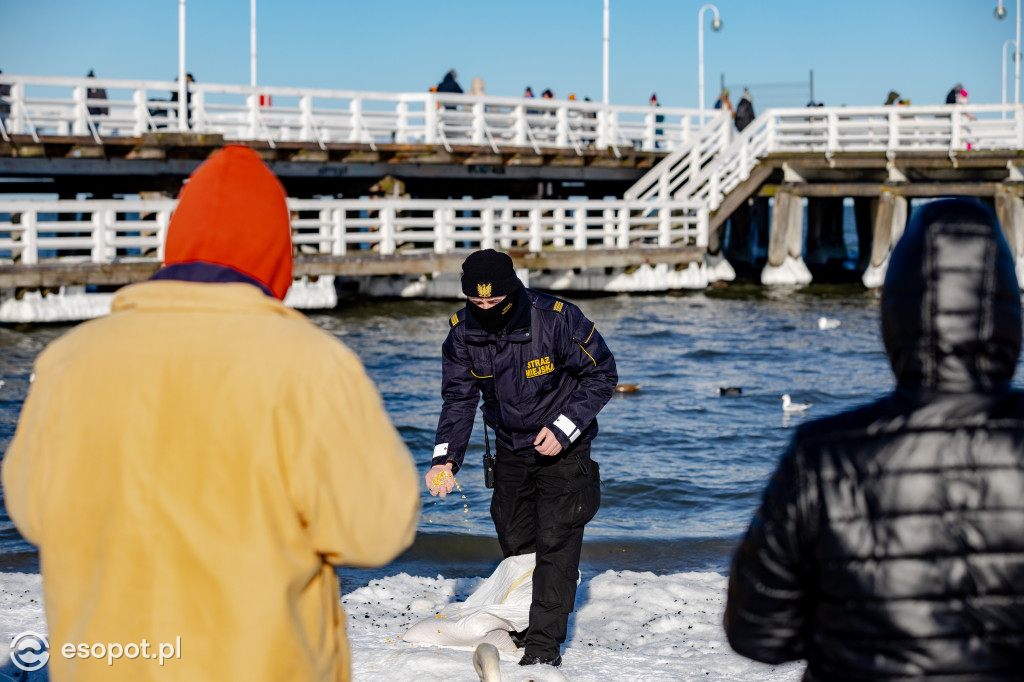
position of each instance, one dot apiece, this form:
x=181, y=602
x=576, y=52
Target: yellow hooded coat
x=193, y=466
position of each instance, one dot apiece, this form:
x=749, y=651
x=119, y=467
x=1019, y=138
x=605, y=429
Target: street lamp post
x=1000, y=14
x=252, y=43
x=716, y=25
x=1009, y=41
x=182, y=85
x=605, y=72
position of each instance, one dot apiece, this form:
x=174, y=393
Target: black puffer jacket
x=890, y=543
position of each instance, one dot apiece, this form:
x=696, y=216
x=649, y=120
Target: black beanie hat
x=488, y=273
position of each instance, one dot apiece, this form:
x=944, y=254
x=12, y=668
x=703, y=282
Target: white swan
x=825, y=323
x=485, y=661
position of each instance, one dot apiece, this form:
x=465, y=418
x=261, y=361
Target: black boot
x=519, y=637
x=534, y=660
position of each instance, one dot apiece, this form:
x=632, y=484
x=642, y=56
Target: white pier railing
x=109, y=231
x=717, y=159
x=99, y=108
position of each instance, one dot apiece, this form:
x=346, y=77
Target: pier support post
x=890, y=219
x=738, y=248
x=1010, y=212
x=716, y=265
x=785, y=243
x=863, y=213
x=825, y=231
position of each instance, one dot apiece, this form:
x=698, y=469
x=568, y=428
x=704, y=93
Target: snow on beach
x=627, y=626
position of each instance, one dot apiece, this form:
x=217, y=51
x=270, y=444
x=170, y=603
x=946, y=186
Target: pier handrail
x=678, y=167
x=128, y=230
x=951, y=129
x=51, y=105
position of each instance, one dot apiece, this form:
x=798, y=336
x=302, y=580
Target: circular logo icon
x=30, y=651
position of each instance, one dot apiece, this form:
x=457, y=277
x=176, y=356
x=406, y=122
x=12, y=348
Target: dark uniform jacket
x=744, y=113
x=549, y=367
x=890, y=543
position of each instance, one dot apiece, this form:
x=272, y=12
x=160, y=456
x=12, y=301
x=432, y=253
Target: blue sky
x=858, y=49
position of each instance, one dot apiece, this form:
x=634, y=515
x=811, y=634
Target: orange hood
x=232, y=213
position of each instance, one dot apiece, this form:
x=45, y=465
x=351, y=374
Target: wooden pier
x=386, y=188
x=159, y=163
x=61, y=137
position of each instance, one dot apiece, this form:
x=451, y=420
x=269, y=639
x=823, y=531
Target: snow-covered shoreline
x=627, y=626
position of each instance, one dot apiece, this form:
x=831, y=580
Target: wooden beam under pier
x=874, y=189
x=361, y=264
x=355, y=264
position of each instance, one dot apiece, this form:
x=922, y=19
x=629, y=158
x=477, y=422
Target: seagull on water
x=789, y=406
x=825, y=323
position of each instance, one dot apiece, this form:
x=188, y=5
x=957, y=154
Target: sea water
x=683, y=467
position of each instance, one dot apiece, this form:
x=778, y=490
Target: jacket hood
x=232, y=213
x=951, y=312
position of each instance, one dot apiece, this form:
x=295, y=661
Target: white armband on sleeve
x=567, y=427
x=440, y=450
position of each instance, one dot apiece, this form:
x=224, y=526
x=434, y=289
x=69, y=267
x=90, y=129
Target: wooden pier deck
x=357, y=264
x=159, y=162
x=61, y=137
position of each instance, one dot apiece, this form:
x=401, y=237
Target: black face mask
x=495, y=318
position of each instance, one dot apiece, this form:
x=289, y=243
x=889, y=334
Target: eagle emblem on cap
x=483, y=290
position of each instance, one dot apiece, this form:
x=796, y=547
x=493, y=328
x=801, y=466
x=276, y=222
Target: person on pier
x=745, y=110
x=195, y=465
x=188, y=99
x=890, y=541
x=449, y=83
x=5, y=107
x=544, y=372
x=723, y=103
x=96, y=93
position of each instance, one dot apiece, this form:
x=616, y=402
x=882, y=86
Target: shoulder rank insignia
x=454, y=320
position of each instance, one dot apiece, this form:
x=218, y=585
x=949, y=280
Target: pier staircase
x=881, y=157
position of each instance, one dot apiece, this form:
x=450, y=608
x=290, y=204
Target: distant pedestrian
x=96, y=93
x=745, y=110
x=723, y=103
x=892, y=98
x=589, y=126
x=953, y=94
x=528, y=93
x=188, y=98
x=5, y=105
x=658, y=118
x=961, y=98
x=547, y=94
x=889, y=544
x=449, y=84
x=477, y=87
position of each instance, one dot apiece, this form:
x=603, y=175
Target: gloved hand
x=440, y=481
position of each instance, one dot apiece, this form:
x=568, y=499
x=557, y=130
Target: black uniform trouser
x=541, y=504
